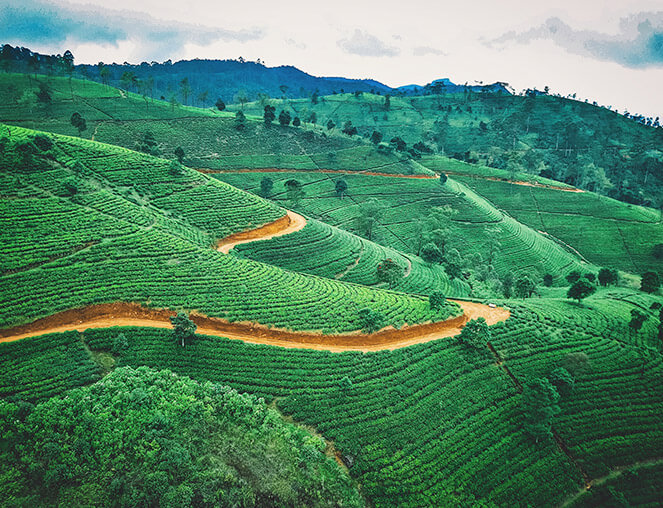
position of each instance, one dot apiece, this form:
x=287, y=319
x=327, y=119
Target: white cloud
x=365, y=44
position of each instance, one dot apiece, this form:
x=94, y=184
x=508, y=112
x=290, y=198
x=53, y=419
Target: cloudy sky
x=609, y=51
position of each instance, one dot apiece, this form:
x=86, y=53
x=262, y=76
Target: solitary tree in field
x=524, y=287
x=607, y=276
x=330, y=125
x=220, y=105
x=371, y=320
x=390, y=272
x=650, y=282
x=295, y=190
x=573, y=276
x=443, y=178
x=436, y=300
x=638, y=318
x=370, y=214
x=376, y=137
x=78, y=122
x=387, y=102
x=296, y=122
x=475, y=334
x=179, y=153
x=183, y=327
x=240, y=120
x=581, y=289
x=539, y=406
x=266, y=185
x=341, y=188
x=269, y=114
x=284, y=118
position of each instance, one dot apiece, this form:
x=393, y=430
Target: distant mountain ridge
x=209, y=80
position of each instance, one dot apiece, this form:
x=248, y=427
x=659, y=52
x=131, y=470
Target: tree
x=390, y=272
x=179, y=153
x=241, y=97
x=183, y=328
x=240, y=120
x=104, y=73
x=387, y=102
x=185, y=90
x=330, y=125
x=443, y=178
x=284, y=118
x=562, y=380
x=548, y=280
x=581, y=289
x=220, y=105
x=370, y=214
x=475, y=334
x=266, y=185
x=349, y=129
x=607, y=276
x=376, y=137
x=650, y=282
x=175, y=168
x=431, y=253
x=657, y=252
x=524, y=287
x=371, y=320
x=78, y=122
x=573, y=276
x=119, y=344
x=398, y=143
x=44, y=93
x=638, y=318
x=341, y=188
x=294, y=190
x=128, y=79
x=70, y=186
x=269, y=114
x=296, y=122
x=539, y=406
x=436, y=300
x=507, y=285
x=202, y=97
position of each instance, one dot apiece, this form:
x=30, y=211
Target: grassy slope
x=136, y=232
x=421, y=424
x=605, y=231
x=406, y=201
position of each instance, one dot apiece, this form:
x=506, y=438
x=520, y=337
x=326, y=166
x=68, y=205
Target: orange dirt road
x=285, y=225
x=131, y=314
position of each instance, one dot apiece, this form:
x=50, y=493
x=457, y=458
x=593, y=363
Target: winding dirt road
x=132, y=314
x=285, y=225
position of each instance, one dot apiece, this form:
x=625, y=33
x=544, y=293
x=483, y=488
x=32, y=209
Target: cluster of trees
x=168, y=441
x=540, y=400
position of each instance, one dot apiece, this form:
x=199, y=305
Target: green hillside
x=422, y=423
x=478, y=236
x=128, y=228
x=567, y=140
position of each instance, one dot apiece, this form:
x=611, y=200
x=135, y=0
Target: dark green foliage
x=607, y=276
x=330, y=125
x=175, y=168
x=398, y=143
x=284, y=118
x=44, y=93
x=539, y=406
x=295, y=190
x=562, y=380
x=376, y=137
x=179, y=153
x=371, y=320
x=436, y=300
x=548, y=280
x=637, y=319
x=507, y=285
x=650, y=282
x=220, y=105
x=167, y=441
x=78, y=122
x=443, y=178
x=431, y=253
x=296, y=122
x=43, y=142
x=657, y=251
x=266, y=186
x=183, y=328
x=119, y=344
x=524, y=287
x=70, y=186
x=341, y=187
x=390, y=272
x=591, y=277
x=349, y=129
x=370, y=214
x=269, y=114
x=148, y=144
x=240, y=120
x=573, y=277
x=475, y=334
x=581, y=289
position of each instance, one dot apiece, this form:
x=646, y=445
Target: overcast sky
x=609, y=51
